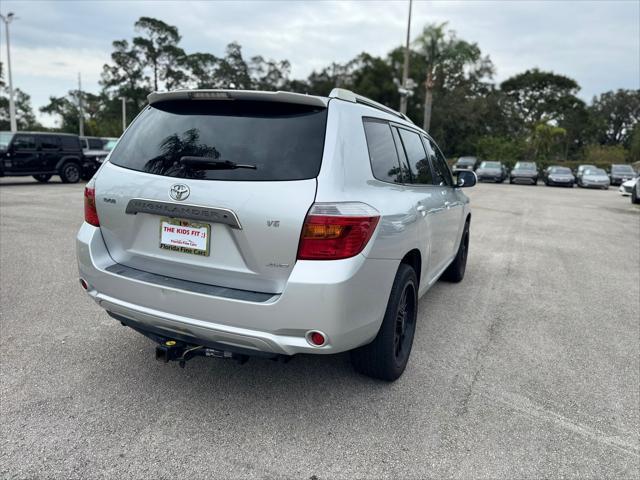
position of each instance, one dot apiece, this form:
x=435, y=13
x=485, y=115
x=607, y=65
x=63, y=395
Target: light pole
x=80, y=109
x=12, y=106
x=404, y=89
x=124, y=113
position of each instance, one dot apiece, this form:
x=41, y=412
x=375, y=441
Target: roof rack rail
x=349, y=96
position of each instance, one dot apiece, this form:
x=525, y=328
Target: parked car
x=627, y=187
x=620, y=173
x=524, y=172
x=92, y=143
x=272, y=225
x=42, y=155
x=580, y=170
x=491, y=171
x=635, y=193
x=93, y=160
x=465, y=163
x=94, y=152
x=559, y=176
x=594, y=178
x=110, y=143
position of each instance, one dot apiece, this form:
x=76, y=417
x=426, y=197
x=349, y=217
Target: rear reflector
x=315, y=338
x=333, y=231
x=90, y=211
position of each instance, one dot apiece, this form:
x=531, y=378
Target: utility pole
x=404, y=90
x=81, y=113
x=124, y=113
x=12, y=106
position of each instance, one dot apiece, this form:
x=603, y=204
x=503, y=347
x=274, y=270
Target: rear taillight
x=336, y=230
x=90, y=212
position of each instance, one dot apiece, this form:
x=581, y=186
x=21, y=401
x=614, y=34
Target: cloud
x=59, y=62
x=597, y=43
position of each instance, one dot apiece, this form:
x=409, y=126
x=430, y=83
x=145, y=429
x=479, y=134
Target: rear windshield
x=525, y=166
x=283, y=141
x=622, y=169
x=95, y=143
x=490, y=165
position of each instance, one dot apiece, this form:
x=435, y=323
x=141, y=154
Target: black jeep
x=42, y=155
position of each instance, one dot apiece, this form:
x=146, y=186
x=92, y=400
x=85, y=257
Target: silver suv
x=241, y=223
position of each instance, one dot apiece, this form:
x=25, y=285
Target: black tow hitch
x=174, y=351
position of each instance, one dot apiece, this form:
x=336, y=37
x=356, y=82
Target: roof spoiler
x=282, y=97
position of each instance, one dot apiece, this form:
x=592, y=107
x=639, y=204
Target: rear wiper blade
x=209, y=163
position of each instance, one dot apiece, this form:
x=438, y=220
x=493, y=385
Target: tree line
x=534, y=115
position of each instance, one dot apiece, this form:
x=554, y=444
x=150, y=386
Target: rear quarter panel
x=346, y=176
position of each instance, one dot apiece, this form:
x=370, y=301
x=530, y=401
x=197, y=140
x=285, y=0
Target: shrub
x=503, y=149
x=604, y=154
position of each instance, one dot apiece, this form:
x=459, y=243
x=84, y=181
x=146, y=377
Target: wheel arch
x=413, y=258
x=68, y=158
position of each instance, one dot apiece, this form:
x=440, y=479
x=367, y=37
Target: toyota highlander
x=241, y=223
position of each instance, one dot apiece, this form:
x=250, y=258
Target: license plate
x=184, y=236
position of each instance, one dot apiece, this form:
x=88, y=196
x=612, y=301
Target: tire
x=455, y=271
x=42, y=177
x=386, y=357
x=70, y=173
x=634, y=196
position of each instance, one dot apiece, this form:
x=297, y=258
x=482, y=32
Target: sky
x=595, y=42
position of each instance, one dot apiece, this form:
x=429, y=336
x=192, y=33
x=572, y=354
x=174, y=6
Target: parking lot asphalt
x=528, y=368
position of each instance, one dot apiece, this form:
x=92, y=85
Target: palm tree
x=444, y=54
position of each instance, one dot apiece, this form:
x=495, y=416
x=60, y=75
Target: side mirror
x=466, y=178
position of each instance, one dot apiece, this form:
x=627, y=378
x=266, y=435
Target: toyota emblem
x=179, y=191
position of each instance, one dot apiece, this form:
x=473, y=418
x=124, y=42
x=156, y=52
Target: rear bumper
x=345, y=299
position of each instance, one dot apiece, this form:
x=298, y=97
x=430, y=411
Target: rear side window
x=24, y=142
x=283, y=141
x=405, y=176
x=50, y=142
x=95, y=143
x=70, y=143
x=382, y=151
x=417, y=157
x=440, y=167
